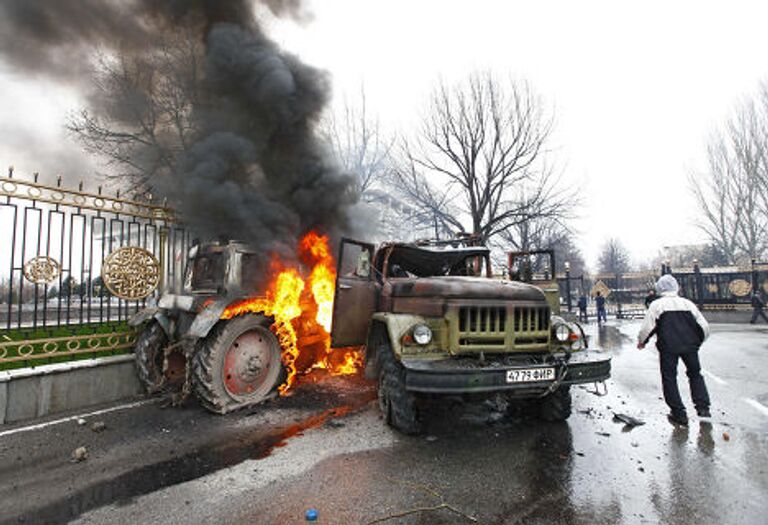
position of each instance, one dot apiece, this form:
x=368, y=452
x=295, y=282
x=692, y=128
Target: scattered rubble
x=629, y=421
x=81, y=421
x=726, y=436
x=79, y=454
x=99, y=426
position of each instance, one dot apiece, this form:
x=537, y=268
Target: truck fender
x=207, y=319
x=392, y=327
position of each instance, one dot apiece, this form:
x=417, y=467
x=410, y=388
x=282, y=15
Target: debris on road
x=311, y=515
x=418, y=487
x=79, y=454
x=99, y=426
x=726, y=436
x=81, y=421
x=604, y=434
x=627, y=420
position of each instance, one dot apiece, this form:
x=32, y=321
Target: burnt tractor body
x=186, y=345
x=434, y=321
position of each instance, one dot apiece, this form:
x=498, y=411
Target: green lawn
x=32, y=335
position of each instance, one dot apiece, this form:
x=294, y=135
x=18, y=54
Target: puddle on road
x=608, y=337
x=187, y=467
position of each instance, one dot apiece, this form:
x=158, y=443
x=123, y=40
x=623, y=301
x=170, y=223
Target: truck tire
x=397, y=404
x=557, y=405
x=148, y=356
x=238, y=364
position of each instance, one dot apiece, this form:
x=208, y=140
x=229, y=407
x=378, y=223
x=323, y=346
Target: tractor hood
x=452, y=287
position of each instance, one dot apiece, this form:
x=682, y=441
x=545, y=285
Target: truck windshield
x=414, y=261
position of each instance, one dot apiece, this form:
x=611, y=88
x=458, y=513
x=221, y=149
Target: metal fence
x=723, y=289
x=77, y=258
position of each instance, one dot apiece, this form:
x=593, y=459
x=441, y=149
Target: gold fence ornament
x=131, y=273
x=740, y=287
x=41, y=270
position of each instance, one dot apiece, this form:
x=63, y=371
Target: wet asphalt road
x=326, y=448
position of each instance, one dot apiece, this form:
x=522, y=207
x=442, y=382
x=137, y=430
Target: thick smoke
x=255, y=170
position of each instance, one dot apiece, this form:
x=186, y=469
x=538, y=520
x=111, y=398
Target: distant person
x=600, y=303
x=582, y=307
x=757, y=307
x=680, y=330
x=650, y=298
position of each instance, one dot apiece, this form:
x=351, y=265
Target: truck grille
x=496, y=328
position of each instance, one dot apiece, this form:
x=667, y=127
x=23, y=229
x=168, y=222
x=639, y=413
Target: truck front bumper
x=466, y=376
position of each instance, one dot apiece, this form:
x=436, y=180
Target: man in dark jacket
x=680, y=330
x=582, y=307
x=650, y=298
x=600, y=304
x=757, y=307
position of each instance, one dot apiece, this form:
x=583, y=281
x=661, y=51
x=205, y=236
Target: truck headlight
x=422, y=334
x=562, y=333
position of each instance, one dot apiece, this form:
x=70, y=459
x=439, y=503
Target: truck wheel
x=238, y=364
x=396, y=403
x=148, y=356
x=557, y=405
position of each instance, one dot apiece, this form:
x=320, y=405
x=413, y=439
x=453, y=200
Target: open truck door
x=356, y=293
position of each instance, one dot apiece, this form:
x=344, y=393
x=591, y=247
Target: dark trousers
x=699, y=392
x=758, y=312
x=583, y=314
x=601, y=315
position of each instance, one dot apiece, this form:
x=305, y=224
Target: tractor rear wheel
x=237, y=364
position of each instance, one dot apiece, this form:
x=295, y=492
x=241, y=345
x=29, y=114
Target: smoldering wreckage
x=256, y=314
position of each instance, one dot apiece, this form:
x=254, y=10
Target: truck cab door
x=356, y=294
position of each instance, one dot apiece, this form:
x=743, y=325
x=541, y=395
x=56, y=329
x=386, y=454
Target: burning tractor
x=217, y=339
x=434, y=321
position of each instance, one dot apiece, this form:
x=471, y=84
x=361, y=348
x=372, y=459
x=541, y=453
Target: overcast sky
x=636, y=88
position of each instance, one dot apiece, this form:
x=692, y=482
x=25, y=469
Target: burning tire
x=397, y=404
x=149, y=356
x=237, y=364
x=557, y=405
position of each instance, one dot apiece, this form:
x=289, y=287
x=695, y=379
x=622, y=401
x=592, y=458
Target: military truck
x=230, y=363
x=434, y=321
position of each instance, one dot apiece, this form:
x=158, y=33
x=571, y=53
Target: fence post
x=754, y=276
x=699, y=290
x=568, y=284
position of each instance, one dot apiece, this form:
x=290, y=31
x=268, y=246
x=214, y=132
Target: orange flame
x=302, y=314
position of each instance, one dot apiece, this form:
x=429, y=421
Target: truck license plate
x=526, y=375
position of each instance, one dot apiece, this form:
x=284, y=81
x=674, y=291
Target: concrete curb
x=28, y=393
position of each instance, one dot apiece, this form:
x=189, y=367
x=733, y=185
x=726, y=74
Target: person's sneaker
x=703, y=412
x=678, y=419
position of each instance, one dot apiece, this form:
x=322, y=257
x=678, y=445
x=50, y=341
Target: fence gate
x=75, y=265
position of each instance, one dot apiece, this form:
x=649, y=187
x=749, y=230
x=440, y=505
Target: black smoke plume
x=255, y=169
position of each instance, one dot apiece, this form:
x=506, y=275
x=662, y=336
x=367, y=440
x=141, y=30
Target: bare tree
x=733, y=192
x=614, y=258
x=140, y=110
x=476, y=165
x=358, y=142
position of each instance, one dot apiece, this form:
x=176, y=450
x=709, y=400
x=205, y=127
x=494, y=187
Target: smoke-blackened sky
x=255, y=169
